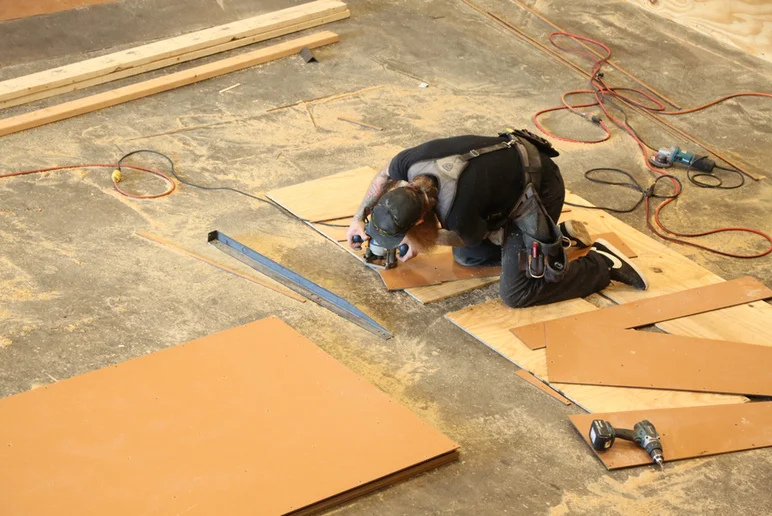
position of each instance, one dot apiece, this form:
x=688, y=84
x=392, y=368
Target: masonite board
x=667, y=272
x=490, y=324
x=121, y=73
x=432, y=269
x=255, y=419
x=687, y=432
x=137, y=56
x=15, y=9
x=657, y=309
x=602, y=355
x=744, y=25
x=332, y=197
x=528, y=377
x=160, y=84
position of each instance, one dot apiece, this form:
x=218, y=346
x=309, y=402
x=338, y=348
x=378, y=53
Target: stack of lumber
x=717, y=352
x=252, y=420
x=163, y=54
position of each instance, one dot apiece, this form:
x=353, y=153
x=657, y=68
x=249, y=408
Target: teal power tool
x=603, y=435
x=375, y=253
x=664, y=158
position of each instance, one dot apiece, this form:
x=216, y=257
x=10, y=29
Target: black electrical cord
x=696, y=177
x=227, y=188
x=633, y=184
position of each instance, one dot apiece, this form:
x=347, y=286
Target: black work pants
x=584, y=276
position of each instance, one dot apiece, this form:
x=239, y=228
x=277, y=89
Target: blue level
x=296, y=282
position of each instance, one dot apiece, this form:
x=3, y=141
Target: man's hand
x=412, y=252
x=357, y=227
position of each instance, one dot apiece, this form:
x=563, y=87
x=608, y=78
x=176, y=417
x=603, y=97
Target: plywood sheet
x=14, y=9
x=602, y=355
x=745, y=25
x=490, y=323
x=435, y=293
x=686, y=432
x=657, y=309
x=332, y=197
x=667, y=272
x=256, y=419
x=611, y=238
x=528, y=377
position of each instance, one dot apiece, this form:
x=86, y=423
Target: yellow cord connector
x=116, y=176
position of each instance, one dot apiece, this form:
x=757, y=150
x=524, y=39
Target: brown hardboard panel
x=528, y=377
x=602, y=355
x=686, y=432
x=432, y=269
x=658, y=309
x=490, y=324
x=332, y=197
x=251, y=420
x=668, y=271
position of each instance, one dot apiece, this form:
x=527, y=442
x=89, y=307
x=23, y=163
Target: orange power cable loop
x=600, y=90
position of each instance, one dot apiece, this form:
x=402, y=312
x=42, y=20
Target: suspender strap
x=485, y=150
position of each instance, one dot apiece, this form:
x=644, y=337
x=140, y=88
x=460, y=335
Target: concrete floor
x=82, y=291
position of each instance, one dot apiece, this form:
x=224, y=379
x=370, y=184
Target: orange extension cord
x=600, y=91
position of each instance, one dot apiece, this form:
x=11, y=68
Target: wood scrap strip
x=267, y=282
x=13, y=10
x=602, y=355
x=160, y=84
x=435, y=293
x=169, y=48
x=490, y=323
x=657, y=309
x=528, y=377
x=686, y=432
x=362, y=124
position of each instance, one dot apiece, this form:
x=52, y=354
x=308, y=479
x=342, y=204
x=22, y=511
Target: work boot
x=576, y=232
x=622, y=269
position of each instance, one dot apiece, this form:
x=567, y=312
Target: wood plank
x=265, y=282
x=332, y=197
x=745, y=25
x=687, y=432
x=611, y=238
x=160, y=84
x=15, y=9
x=667, y=272
x=603, y=355
x=221, y=423
x=432, y=269
x=490, y=323
x=167, y=48
x=435, y=293
x=528, y=377
x=171, y=61
x=657, y=309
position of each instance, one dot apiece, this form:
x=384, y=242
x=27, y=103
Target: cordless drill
x=375, y=252
x=602, y=436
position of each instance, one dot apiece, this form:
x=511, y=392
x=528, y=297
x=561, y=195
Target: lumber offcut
x=143, y=89
x=252, y=420
x=168, y=52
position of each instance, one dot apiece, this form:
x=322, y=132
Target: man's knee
x=515, y=299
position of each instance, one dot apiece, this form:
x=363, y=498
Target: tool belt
x=544, y=255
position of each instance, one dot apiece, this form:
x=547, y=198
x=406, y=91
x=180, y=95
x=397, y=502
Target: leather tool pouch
x=544, y=255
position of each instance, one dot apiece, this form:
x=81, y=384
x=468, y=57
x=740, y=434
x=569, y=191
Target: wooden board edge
x=530, y=378
x=412, y=292
x=375, y=485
